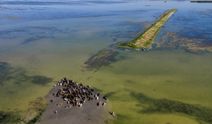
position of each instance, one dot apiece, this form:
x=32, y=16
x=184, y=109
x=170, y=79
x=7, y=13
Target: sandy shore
x=60, y=112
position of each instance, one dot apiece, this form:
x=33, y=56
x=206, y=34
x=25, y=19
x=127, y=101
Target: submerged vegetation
x=41, y=80
x=31, y=116
x=19, y=75
x=34, y=33
x=102, y=58
x=172, y=40
x=35, y=110
x=151, y=105
x=9, y=118
x=5, y=71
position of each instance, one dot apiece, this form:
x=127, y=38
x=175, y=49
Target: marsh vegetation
x=19, y=76
x=151, y=105
x=146, y=39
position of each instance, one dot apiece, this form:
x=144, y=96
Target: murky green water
x=52, y=41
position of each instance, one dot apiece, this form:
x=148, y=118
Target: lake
x=44, y=41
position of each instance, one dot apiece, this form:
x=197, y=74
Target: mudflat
x=59, y=110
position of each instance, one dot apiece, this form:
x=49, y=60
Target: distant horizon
x=81, y=0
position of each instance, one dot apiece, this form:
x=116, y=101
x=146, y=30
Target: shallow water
x=54, y=40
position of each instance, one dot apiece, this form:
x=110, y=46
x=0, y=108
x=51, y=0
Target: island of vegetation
x=146, y=39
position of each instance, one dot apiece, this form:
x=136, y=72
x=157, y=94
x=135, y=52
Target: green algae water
x=41, y=42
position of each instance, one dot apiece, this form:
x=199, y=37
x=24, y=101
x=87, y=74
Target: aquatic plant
x=19, y=75
x=102, y=58
x=109, y=94
x=151, y=105
x=192, y=45
x=5, y=71
x=34, y=33
x=35, y=38
x=127, y=45
x=9, y=118
x=31, y=116
x=35, y=110
x=40, y=80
